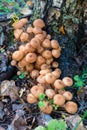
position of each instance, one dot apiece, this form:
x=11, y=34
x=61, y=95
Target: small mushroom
x=49, y=61
x=71, y=107
x=13, y=63
x=40, y=60
x=68, y=95
x=55, y=64
x=46, y=43
x=45, y=34
x=50, y=93
x=59, y=99
x=24, y=37
x=31, y=57
x=40, y=49
x=48, y=36
x=17, y=55
x=37, y=30
x=50, y=78
x=47, y=54
x=40, y=37
x=39, y=23
x=56, y=53
x=37, y=90
x=30, y=29
x=29, y=67
x=54, y=44
x=57, y=73
x=35, y=43
x=17, y=33
x=41, y=79
x=47, y=108
x=31, y=98
x=67, y=81
x=45, y=66
x=20, y=23
x=34, y=73
x=44, y=72
x=58, y=84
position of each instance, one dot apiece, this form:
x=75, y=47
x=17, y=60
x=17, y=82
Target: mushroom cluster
x=36, y=57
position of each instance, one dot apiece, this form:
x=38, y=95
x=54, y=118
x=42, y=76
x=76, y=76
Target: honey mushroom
x=44, y=33
x=40, y=60
x=34, y=73
x=29, y=29
x=40, y=49
x=67, y=81
x=37, y=90
x=13, y=63
x=68, y=95
x=35, y=43
x=31, y=98
x=24, y=37
x=44, y=72
x=58, y=84
x=17, y=55
x=47, y=54
x=29, y=67
x=46, y=43
x=47, y=108
x=45, y=66
x=54, y=44
x=31, y=57
x=56, y=53
x=41, y=79
x=50, y=78
x=39, y=23
x=40, y=37
x=17, y=33
x=59, y=100
x=48, y=36
x=57, y=73
x=55, y=64
x=20, y=23
x=49, y=61
x=50, y=93
x=37, y=30
x=71, y=107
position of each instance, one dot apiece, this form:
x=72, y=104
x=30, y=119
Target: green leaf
x=22, y=75
x=76, y=77
x=51, y=101
x=40, y=104
x=57, y=125
x=42, y=97
x=40, y=128
x=55, y=107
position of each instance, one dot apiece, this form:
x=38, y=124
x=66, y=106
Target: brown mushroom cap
x=45, y=34
x=30, y=29
x=34, y=73
x=47, y=54
x=49, y=61
x=24, y=37
x=37, y=90
x=13, y=63
x=71, y=107
x=40, y=37
x=19, y=24
x=28, y=48
x=35, y=43
x=59, y=99
x=56, y=53
x=67, y=81
x=40, y=60
x=58, y=84
x=54, y=44
x=37, y=30
x=50, y=78
x=29, y=67
x=55, y=64
x=47, y=108
x=31, y=98
x=57, y=73
x=45, y=66
x=39, y=23
x=44, y=72
x=50, y=93
x=31, y=57
x=48, y=36
x=40, y=49
x=17, y=55
x=41, y=79
x=68, y=95
x=46, y=43
x=17, y=33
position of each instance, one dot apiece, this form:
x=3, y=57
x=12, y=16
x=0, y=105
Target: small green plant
x=54, y=125
x=22, y=75
x=80, y=81
x=41, y=98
